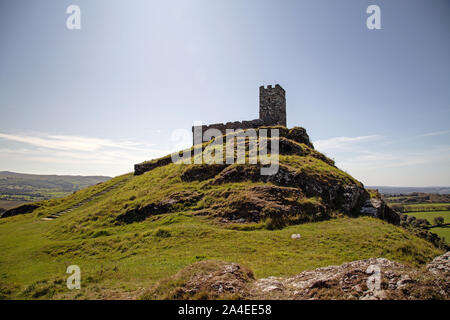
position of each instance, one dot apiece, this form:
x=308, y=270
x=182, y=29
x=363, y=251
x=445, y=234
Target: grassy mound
x=128, y=238
x=124, y=259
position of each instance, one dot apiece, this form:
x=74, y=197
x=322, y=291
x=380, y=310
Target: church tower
x=272, y=105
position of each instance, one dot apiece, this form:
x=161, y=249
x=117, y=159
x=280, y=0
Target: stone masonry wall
x=253, y=124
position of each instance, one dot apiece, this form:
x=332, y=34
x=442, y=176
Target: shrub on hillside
x=439, y=220
x=162, y=233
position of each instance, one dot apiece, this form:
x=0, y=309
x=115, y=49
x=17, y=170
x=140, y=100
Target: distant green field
x=421, y=205
x=431, y=215
x=430, y=205
x=442, y=232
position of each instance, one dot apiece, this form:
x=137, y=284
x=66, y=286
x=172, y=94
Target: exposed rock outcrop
x=377, y=208
x=440, y=265
x=371, y=279
x=168, y=204
x=208, y=279
x=143, y=167
x=252, y=204
x=334, y=194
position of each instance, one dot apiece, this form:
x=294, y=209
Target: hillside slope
x=132, y=231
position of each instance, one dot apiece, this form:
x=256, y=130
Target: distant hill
x=406, y=190
x=19, y=187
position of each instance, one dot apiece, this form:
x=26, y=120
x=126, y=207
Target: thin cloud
x=4, y=151
x=60, y=142
x=343, y=143
x=437, y=133
x=75, y=152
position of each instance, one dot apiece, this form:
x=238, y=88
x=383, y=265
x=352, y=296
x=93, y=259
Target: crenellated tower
x=272, y=105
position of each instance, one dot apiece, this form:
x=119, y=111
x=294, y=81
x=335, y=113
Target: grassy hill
x=131, y=232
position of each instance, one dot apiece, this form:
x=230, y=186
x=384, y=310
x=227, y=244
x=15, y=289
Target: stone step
x=83, y=202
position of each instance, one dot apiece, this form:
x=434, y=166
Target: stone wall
x=143, y=167
x=252, y=124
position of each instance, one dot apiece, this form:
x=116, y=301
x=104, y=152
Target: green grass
x=418, y=205
x=431, y=215
x=440, y=231
x=127, y=258
x=423, y=206
x=315, y=166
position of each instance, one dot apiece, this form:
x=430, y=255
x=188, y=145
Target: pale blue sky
x=99, y=99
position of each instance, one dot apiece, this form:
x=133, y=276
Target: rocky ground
x=371, y=279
